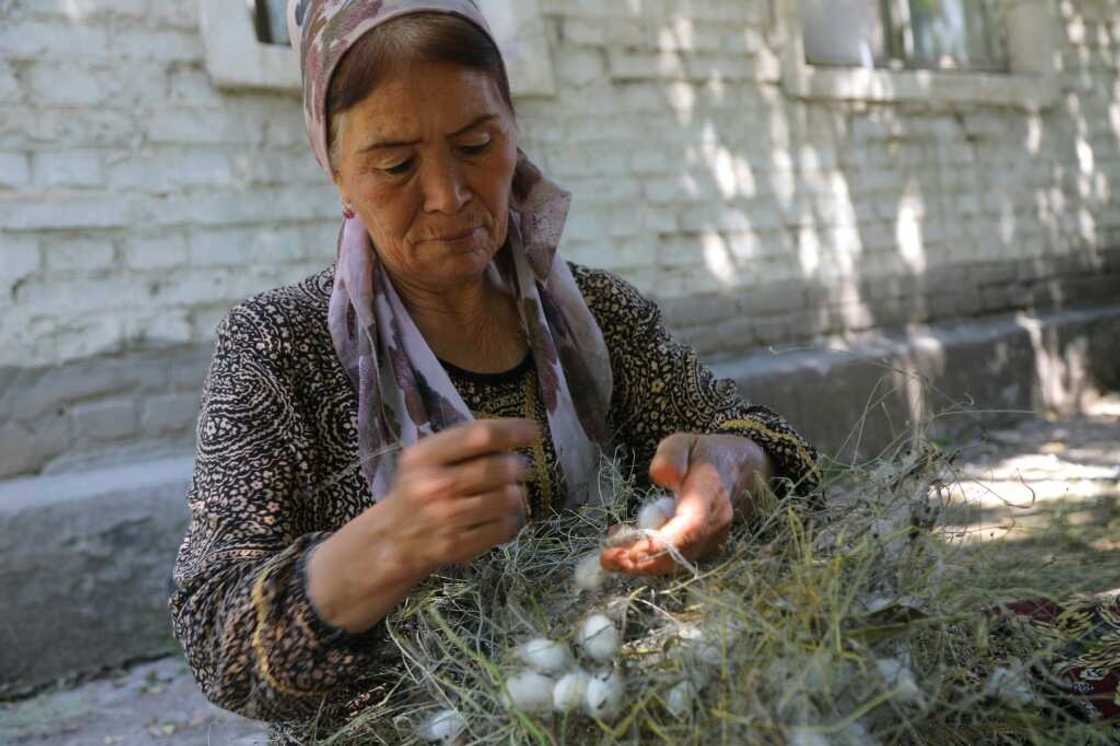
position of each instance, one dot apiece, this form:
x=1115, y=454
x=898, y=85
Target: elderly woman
x=449, y=378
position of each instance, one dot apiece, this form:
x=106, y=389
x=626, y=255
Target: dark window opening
x=270, y=21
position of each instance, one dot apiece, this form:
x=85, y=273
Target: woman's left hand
x=712, y=476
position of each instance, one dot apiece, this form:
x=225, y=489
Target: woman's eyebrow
x=386, y=144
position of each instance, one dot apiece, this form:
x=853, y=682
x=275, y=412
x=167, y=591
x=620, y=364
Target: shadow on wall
x=835, y=220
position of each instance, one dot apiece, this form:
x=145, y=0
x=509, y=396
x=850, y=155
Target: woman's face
x=427, y=162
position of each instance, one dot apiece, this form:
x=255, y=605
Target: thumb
x=670, y=464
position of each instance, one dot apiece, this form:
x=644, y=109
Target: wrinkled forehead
x=322, y=31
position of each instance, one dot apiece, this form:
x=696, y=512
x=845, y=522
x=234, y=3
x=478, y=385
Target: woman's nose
x=444, y=188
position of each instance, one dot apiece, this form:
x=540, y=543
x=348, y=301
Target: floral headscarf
x=404, y=393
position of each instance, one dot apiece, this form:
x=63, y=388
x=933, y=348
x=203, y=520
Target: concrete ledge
x=853, y=400
x=85, y=558
x=85, y=562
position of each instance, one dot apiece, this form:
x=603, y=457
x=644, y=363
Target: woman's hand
x=456, y=495
x=712, y=476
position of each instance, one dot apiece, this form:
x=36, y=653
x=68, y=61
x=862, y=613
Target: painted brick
x=78, y=254
x=156, y=252
x=170, y=413
x=72, y=168
x=102, y=421
x=15, y=170
x=20, y=258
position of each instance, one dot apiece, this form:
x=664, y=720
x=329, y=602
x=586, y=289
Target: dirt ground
x=1043, y=505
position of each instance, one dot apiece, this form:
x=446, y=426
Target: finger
x=470, y=440
x=643, y=558
x=696, y=514
x=670, y=463
x=488, y=473
x=468, y=512
x=485, y=536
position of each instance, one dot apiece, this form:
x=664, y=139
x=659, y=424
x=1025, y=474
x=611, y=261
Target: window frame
x=1030, y=84
x=236, y=58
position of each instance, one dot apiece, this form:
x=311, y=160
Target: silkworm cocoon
x=570, y=690
x=801, y=736
x=605, y=691
x=529, y=691
x=1011, y=686
x=590, y=575
x=443, y=727
x=599, y=638
x=545, y=656
x=656, y=513
x=899, y=676
x=680, y=698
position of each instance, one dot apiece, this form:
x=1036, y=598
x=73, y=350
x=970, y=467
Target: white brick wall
x=137, y=201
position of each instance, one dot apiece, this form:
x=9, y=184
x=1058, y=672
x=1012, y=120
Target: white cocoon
x=570, y=691
x=656, y=513
x=545, y=656
x=530, y=691
x=680, y=698
x=599, y=638
x=590, y=575
x=605, y=691
x=442, y=727
x=899, y=676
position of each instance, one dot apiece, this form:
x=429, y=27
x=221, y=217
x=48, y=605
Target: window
x=998, y=52
x=896, y=34
x=251, y=49
x=270, y=21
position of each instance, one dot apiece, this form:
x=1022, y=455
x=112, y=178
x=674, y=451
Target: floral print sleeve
x=661, y=387
x=240, y=607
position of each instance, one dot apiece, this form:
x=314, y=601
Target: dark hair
x=416, y=37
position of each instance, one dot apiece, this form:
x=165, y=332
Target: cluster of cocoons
x=554, y=680
x=589, y=573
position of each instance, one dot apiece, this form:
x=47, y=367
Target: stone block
x=170, y=413
x=107, y=420
x=20, y=258
x=10, y=89
x=78, y=254
x=33, y=41
x=28, y=445
x=15, y=170
x=87, y=562
x=580, y=67
x=152, y=252
x=160, y=47
x=72, y=168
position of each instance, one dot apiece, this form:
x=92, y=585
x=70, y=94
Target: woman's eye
x=475, y=148
x=400, y=168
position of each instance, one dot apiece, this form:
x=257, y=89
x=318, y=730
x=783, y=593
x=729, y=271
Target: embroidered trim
x=777, y=435
x=260, y=605
x=540, y=458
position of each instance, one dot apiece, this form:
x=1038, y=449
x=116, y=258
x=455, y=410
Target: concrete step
x=85, y=567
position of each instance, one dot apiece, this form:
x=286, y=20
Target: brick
x=166, y=169
x=70, y=168
x=10, y=89
x=15, y=170
x=37, y=212
x=170, y=413
x=156, y=252
x=63, y=41
x=182, y=16
x=26, y=128
x=102, y=421
x=580, y=67
x=84, y=295
x=20, y=258
x=157, y=46
x=79, y=254
x=170, y=328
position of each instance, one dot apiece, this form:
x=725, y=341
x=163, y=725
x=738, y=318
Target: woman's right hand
x=457, y=494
